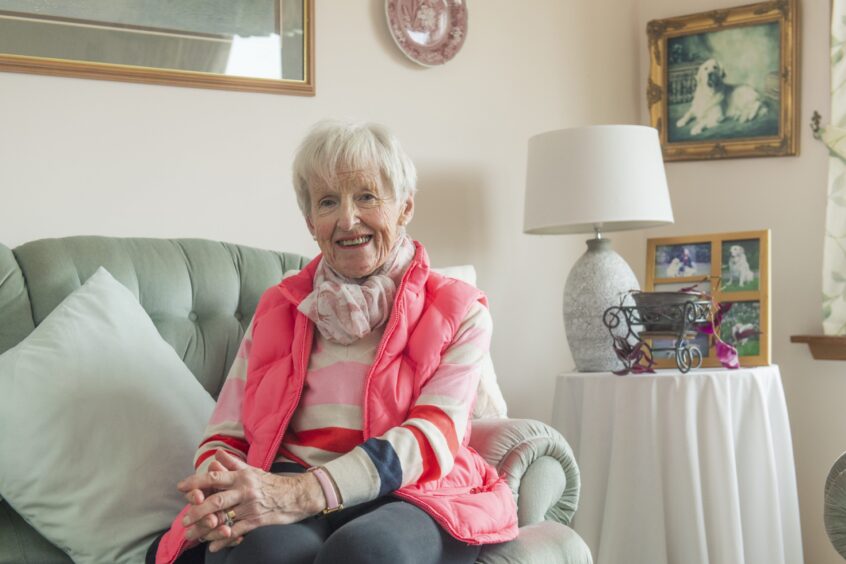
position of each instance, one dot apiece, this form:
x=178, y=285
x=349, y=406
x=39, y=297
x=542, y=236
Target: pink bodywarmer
x=471, y=502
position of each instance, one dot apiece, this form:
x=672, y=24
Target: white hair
x=333, y=146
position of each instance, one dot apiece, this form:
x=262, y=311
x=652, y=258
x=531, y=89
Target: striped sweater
x=326, y=428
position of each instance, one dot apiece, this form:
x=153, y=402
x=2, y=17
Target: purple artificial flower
x=727, y=354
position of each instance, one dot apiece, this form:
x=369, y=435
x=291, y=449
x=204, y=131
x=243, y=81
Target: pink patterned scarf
x=345, y=309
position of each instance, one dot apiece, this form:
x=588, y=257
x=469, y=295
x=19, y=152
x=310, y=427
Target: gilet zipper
x=389, y=331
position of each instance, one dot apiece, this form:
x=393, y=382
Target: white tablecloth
x=692, y=468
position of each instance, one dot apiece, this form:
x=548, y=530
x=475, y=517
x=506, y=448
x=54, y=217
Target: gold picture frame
x=732, y=267
x=258, y=46
x=724, y=83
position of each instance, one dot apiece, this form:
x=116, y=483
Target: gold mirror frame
x=195, y=79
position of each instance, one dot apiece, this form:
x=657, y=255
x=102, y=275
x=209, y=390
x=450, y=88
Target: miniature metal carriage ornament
x=671, y=316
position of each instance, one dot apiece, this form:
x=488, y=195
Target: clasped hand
x=256, y=497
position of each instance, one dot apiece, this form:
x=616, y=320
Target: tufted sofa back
x=200, y=294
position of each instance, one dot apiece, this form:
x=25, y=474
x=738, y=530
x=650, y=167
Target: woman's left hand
x=256, y=497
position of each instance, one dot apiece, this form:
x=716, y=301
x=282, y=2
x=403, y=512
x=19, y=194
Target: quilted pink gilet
x=472, y=503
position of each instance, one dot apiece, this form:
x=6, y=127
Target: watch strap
x=330, y=492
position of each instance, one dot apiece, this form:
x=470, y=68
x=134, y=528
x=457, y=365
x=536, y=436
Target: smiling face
x=356, y=220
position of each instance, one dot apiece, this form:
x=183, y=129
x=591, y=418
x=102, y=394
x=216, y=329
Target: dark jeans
x=383, y=531
x=387, y=531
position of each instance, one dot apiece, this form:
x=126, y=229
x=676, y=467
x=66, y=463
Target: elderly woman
x=341, y=432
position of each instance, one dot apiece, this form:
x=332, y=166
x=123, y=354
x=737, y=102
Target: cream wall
x=111, y=158
x=788, y=196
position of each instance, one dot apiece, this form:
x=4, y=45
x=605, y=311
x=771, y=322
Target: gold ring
x=230, y=517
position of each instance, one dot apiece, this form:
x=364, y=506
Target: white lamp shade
x=609, y=177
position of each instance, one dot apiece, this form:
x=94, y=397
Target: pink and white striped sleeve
x=225, y=430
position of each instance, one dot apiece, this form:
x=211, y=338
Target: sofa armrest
x=547, y=542
x=536, y=462
x=834, y=510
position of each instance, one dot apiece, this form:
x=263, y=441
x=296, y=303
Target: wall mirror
x=253, y=45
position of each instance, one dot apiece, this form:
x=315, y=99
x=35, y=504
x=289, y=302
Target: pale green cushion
x=99, y=418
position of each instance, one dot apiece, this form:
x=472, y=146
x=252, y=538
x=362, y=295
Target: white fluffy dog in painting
x=714, y=100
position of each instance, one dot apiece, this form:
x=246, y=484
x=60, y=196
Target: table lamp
x=595, y=179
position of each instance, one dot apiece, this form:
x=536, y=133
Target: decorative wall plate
x=429, y=32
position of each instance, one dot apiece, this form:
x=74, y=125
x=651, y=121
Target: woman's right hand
x=196, y=497
x=255, y=497
x=210, y=522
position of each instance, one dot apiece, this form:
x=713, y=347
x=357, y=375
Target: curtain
x=834, y=136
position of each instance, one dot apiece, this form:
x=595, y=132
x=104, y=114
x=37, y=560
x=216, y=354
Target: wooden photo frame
x=732, y=267
x=724, y=83
x=262, y=46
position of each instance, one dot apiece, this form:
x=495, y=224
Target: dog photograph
x=683, y=261
x=741, y=328
x=740, y=266
x=731, y=268
x=724, y=84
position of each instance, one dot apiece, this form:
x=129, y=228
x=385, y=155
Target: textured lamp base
x=595, y=283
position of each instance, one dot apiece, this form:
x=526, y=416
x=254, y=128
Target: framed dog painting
x=724, y=83
x=734, y=268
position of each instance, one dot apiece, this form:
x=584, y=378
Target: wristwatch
x=330, y=492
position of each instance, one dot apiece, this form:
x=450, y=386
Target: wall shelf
x=823, y=347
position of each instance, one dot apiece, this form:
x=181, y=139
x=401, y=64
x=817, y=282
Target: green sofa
x=201, y=295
